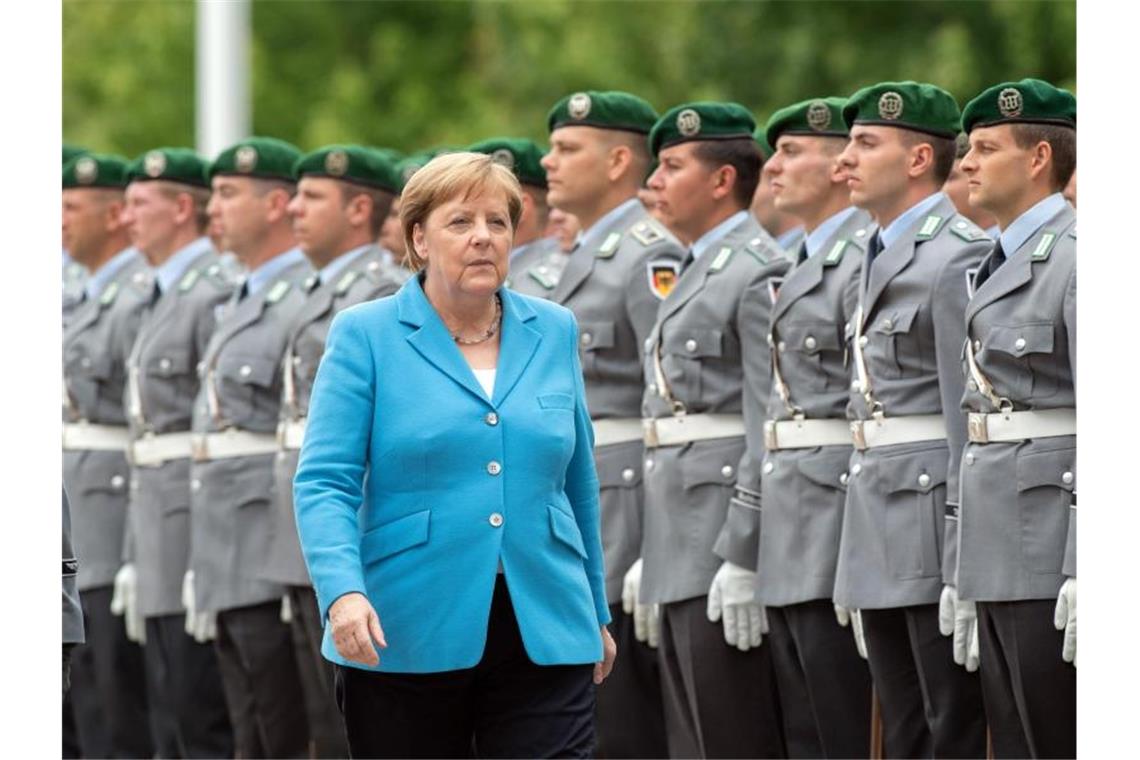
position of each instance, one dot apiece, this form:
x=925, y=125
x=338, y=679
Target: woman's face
x=466, y=243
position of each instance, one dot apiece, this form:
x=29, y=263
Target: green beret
x=762, y=143
x=170, y=164
x=1030, y=101
x=908, y=105
x=605, y=110
x=349, y=163
x=390, y=154
x=95, y=170
x=518, y=154
x=73, y=151
x=261, y=157
x=818, y=117
x=701, y=121
x=416, y=161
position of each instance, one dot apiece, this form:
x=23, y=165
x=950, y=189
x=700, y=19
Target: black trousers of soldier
x=261, y=682
x=108, y=685
x=326, y=730
x=631, y=714
x=505, y=706
x=932, y=707
x=1030, y=692
x=187, y=707
x=824, y=685
x=719, y=701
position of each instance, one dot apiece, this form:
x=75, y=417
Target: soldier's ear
x=618, y=163
x=920, y=159
x=1041, y=162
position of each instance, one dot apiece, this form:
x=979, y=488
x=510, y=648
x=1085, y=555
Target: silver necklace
x=491, y=329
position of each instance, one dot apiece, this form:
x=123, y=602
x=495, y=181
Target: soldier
x=785, y=228
x=108, y=680
x=622, y=267
x=72, y=611
x=704, y=438
x=905, y=341
x=73, y=273
x=234, y=445
x=958, y=190
x=808, y=439
x=1018, y=520
x=166, y=218
x=342, y=199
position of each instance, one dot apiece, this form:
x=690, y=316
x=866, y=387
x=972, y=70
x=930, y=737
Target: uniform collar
x=592, y=237
x=103, y=275
x=705, y=241
x=785, y=241
x=893, y=231
x=169, y=272
x=334, y=267
x=520, y=250
x=262, y=276
x=1024, y=226
x=820, y=234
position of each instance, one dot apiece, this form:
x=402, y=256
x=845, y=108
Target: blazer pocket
x=556, y=401
x=394, y=537
x=1034, y=374
x=915, y=510
x=565, y=529
x=1045, y=481
x=895, y=325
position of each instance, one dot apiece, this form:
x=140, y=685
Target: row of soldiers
x=824, y=398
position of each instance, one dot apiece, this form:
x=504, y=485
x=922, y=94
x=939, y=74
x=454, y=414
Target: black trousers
x=631, y=715
x=506, y=706
x=931, y=706
x=108, y=685
x=261, y=682
x=824, y=685
x=719, y=701
x=188, y=707
x=1031, y=693
x=326, y=730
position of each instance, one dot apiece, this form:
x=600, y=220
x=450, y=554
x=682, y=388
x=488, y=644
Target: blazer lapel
x=430, y=338
x=518, y=344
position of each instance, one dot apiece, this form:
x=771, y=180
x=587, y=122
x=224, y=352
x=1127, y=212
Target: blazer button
x=856, y=469
x=164, y=364
x=690, y=345
x=1067, y=478
x=117, y=482
x=587, y=338
x=923, y=480
x=494, y=468
x=245, y=370
x=810, y=343
x=727, y=471
x=969, y=459
x=842, y=478
x=887, y=324
x=768, y=467
x=648, y=464
x=1019, y=344
x=627, y=474
x=496, y=520
x=491, y=419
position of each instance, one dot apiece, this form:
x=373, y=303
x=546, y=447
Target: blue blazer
x=413, y=485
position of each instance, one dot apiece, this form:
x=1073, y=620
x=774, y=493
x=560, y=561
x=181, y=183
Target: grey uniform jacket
x=231, y=500
x=901, y=497
x=1018, y=530
x=711, y=333
x=72, y=611
x=803, y=490
x=96, y=343
x=537, y=268
x=160, y=400
x=608, y=289
x=363, y=279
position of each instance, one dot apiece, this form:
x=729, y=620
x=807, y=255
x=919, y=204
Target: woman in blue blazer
x=446, y=497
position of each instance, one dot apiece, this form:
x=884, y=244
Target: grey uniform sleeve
x=739, y=538
x=72, y=611
x=1069, y=568
x=948, y=311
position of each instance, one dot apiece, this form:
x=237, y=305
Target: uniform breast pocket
x=914, y=511
x=592, y=338
x=689, y=348
x=1045, y=481
x=246, y=386
x=801, y=347
x=1027, y=349
x=894, y=347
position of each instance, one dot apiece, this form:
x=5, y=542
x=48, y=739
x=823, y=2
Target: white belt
x=673, y=431
x=152, y=450
x=805, y=434
x=291, y=434
x=889, y=431
x=617, y=430
x=1018, y=426
x=85, y=436
x=232, y=443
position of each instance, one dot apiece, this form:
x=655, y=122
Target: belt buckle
x=978, y=428
x=858, y=437
x=771, y=439
x=199, y=449
x=649, y=429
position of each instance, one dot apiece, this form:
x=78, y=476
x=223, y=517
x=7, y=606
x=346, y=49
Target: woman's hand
x=609, y=654
x=355, y=625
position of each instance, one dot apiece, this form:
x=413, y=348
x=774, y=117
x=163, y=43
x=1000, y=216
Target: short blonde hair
x=449, y=176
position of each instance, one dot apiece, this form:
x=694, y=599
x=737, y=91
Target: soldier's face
x=240, y=212
x=577, y=170
x=802, y=171
x=150, y=216
x=392, y=233
x=876, y=162
x=90, y=216
x=686, y=191
x=466, y=243
x=998, y=171
x=320, y=218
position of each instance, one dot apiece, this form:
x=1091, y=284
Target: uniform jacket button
x=117, y=481
x=1067, y=478
x=164, y=364
x=977, y=345
x=245, y=370
x=863, y=340
x=495, y=519
x=1019, y=344
x=648, y=464
x=653, y=388
x=690, y=345
x=195, y=484
x=627, y=474
x=969, y=459
x=810, y=343
x=923, y=480
x=587, y=338
x=842, y=478
x=856, y=469
x=972, y=385
x=781, y=346
x=491, y=419
x=727, y=471
x=887, y=324
x=494, y=468
x=854, y=385
x=770, y=339
x=768, y=467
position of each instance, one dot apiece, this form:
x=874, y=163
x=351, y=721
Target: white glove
x=959, y=618
x=732, y=597
x=125, y=602
x=646, y=617
x=853, y=617
x=286, y=610
x=1065, y=619
x=202, y=626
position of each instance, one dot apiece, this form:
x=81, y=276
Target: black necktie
x=991, y=264
x=802, y=256
x=875, y=247
x=688, y=260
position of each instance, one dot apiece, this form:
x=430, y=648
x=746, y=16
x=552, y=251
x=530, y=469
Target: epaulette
x=345, y=282
x=609, y=246
x=723, y=256
x=930, y=227
x=645, y=233
x=277, y=292
x=968, y=231
x=1044, y=246
x=755, y=247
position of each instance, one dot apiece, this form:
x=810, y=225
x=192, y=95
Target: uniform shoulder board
x=188, y=281
x=755, y=247
x=345, y=282
x=109, y=294
x=277, y=292
x=930, y=227
x=723, y=256
x=645, y=233
x=1044, y=246
x=609, y=246
x=968, y=231
x=835, y=255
